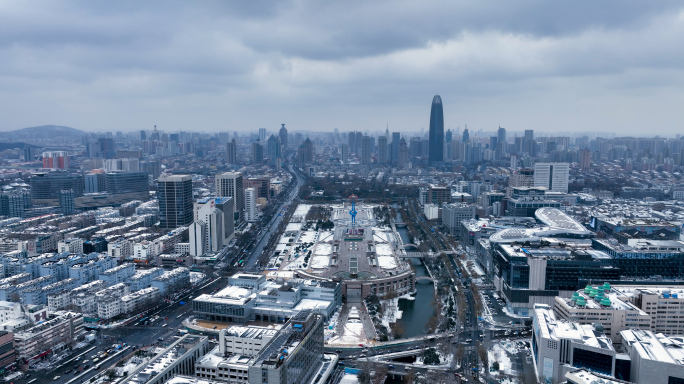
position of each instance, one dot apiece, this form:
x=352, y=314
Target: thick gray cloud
x=215, y=65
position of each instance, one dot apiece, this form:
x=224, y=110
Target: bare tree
x=482, y=354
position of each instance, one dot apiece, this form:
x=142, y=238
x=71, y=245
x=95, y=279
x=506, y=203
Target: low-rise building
x=57, y=333
x=559, y=346
x=176, y=359
x=7, y=352
x=143, y=278
x=117, y=274
x=655, y=358
x=139, y=300
x=601, y=305
x=172, y=281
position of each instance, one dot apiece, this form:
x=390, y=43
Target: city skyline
x=521, y=66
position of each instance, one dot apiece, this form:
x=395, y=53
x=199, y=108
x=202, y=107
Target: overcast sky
x=354, y=65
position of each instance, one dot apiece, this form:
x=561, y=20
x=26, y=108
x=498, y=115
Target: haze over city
x=303, y=192
x=553, y=67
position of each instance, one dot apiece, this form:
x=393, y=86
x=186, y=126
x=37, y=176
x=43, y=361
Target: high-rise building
x=394, y=153
x=305, y=152
x=528, y=142
x=283, y=136
x=448, y=136
x=585, y=159
x=257, y=152
x=15, y=203
x=436, y=130
x=402, y=156
x=274, y=148
x=230, y=184
x=359, y=135
x=214, y=226
x=262, y=134
x=382, y=150
x=126, y=164
x=501, y=135
x=66, y=202
x=175, y=200
x=107, y=147
x=262, y=186
x=365, y=150
x=231, y=152
x=29, y=154
x=351, y=139
x=552, y=176
x=56, y=160
x=466, y=135
x=250, y=205
x=344, y=153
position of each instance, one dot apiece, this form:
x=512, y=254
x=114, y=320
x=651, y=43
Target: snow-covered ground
x=349, y=378
x=325, y=236
x=501, y=354
x=302, y=210
x=353, y=331
x=474, y=268
x=319, y=262
x=323, y=249
x=291, y=227
x=308, y=237
x=383, y=249
x=387, y=262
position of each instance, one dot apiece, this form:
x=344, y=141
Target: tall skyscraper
x=230, y=184
x=394, y=153
x=436, y=130
x=175, y=200
x=365, y=150
x=257, y=152
x=262, y=134
x=528, y=142
x=283, y=136
x=250, y=205
x=585, y=159
x=501, y=135
x=552, y=176
x=402, y=155
x=274, y=148
x=382, y=150
x=344, y=152
x=231, y=152
x=466, y=135
x=352, y=142
x=448, y=136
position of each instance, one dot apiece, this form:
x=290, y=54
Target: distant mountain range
x=43, y=132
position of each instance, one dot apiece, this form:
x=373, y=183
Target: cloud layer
x=225, y=66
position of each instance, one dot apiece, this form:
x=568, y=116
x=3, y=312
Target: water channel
x=416, y=313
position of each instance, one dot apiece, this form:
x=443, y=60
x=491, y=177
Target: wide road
x=171, y=314
x=272, y=226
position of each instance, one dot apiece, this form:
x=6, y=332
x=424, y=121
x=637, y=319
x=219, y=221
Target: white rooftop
x=551, y=328
x=657, y=347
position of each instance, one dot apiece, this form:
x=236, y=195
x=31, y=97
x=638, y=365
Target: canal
x=417, y=312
